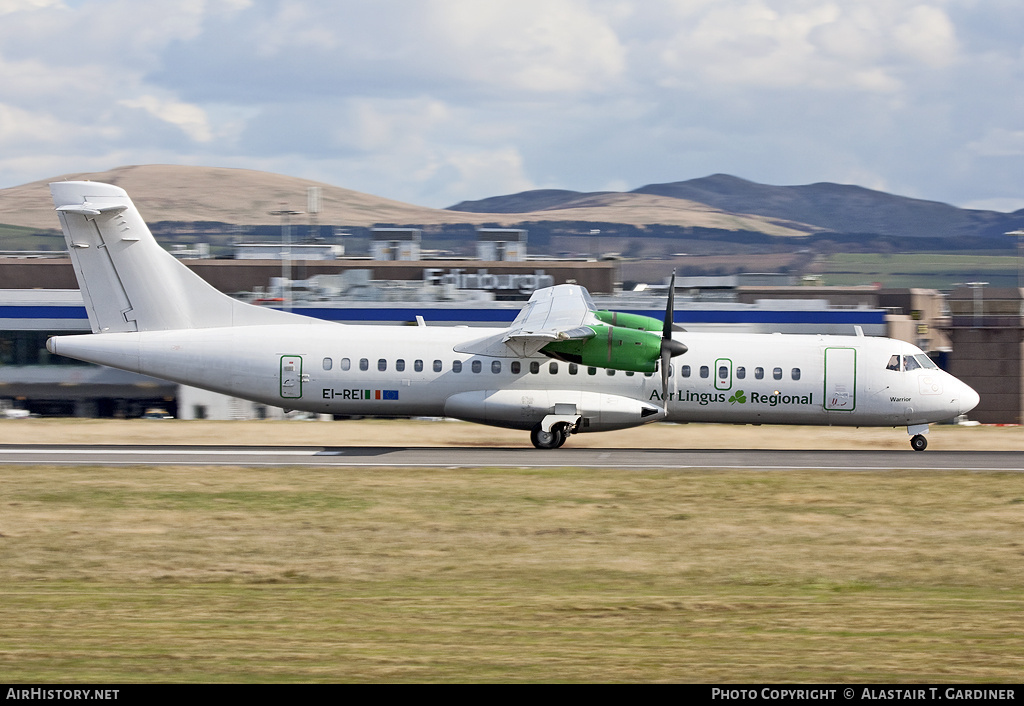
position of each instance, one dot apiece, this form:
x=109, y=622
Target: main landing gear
x=549, y=439
x=918, y=441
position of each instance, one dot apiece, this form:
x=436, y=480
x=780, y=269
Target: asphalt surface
x=491, y=457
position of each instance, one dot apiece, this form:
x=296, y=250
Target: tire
x=547, y=439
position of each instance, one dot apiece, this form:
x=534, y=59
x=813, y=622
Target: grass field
x=932, y=270
x=238, y=574
x=228, y=574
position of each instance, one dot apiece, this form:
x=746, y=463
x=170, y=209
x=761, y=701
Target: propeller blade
x=666, y=329
x=669, y=347
x=666, y=360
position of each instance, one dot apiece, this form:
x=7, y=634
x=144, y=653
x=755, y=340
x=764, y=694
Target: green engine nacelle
x=611, y=347
x=633, y=321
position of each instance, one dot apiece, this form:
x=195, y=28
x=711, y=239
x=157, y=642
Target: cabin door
x=840, y=379
x=291, y=376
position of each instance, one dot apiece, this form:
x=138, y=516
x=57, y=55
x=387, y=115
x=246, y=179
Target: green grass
x=932, y=270
x=175, y=574
x=21, y=238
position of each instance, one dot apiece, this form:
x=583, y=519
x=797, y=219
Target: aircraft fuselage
x=417, y=371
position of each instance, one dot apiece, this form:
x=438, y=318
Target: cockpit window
x=910, y=363
x=925, y=361
x=894, y=363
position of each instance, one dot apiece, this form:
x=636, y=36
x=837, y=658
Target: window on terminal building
x=29, y=348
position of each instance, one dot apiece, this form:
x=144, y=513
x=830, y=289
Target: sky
x=437, y=101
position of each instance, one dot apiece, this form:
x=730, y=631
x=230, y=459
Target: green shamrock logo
x=738, y=397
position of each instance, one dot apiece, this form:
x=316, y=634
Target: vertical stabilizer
x=129, y=282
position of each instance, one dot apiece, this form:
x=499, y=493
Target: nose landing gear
x=918, y=442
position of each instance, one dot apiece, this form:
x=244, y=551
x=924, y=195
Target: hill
x=824, y=207
x=237, y=196
x=244, y=197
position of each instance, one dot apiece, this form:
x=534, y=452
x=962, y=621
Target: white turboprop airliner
x=561, y=368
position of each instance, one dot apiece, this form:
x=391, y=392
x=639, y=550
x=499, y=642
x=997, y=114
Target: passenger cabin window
x=345, y=364
x=592, y=371
x=777, y=373
x=610, y=371
x=438, y=365
x=534, y=367
x=456, y=366
x=573, y=368
x=382, y=364
x=685, y=370
x=759, y=373
x=723, y=372
x=553, y=368
x=400, y=365
x=364, y=364
x=705, y=371
x=418, y=366
x=516, y=367
x=328, y=364
x=477, y=366
x=495, y=366
x=741, y=373
x=795, y=373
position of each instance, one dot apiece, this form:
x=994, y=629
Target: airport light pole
x=286, y=255
x=979, y=301
x=1020, y=258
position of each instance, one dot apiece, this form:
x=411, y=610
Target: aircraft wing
x=559, y=313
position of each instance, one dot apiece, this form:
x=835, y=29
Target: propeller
x=669, y=348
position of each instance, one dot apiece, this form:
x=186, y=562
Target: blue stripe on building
x=505, y=316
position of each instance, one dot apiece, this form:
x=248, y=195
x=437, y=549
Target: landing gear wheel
x=547, y=439
x=918, y=442
x=562, y=434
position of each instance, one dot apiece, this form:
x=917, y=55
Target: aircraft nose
x=969, y=399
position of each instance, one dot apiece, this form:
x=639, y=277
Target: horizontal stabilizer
x=88, y=209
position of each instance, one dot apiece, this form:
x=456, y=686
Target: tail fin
x=129, y=282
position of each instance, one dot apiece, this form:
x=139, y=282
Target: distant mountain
x=187, y=194
x=826, y=207
x=712, y=208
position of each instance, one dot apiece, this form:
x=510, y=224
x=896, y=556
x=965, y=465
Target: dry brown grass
x=412, y=433
x=276, y=574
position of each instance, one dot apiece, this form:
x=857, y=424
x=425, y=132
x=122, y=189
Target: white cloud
x=1000, y=142
x=532, y=45
x=860, y=44
x=436, y=101
x=18, y=126
x=9, y=6
x=190, y=119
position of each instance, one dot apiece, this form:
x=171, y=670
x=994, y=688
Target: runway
x=496, y=457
